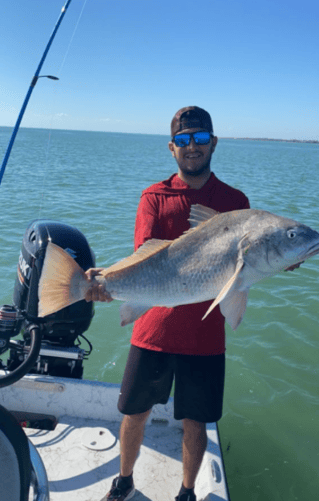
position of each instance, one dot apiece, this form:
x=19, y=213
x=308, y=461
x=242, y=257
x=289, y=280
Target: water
x=92, y=180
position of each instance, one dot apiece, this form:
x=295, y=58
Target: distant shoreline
x=312, y=141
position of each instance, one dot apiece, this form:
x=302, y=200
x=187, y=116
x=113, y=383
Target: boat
x=72, y=424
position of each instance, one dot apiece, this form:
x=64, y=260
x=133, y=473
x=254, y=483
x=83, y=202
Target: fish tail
x=62, y=283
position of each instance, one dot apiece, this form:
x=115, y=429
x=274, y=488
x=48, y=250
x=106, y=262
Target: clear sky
x=129, y=65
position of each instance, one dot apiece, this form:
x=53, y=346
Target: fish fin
x=225, y=290
x=200, y=214
x=233, y=307
x=129, y=312
x=235, y=279
x=148, y=249
x=62, y=282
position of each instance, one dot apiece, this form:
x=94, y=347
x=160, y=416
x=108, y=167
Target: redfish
x=218, y=259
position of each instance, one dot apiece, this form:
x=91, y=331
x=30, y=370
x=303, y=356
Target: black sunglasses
x=201, y=137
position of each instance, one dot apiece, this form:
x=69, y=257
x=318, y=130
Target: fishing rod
x=32, y=85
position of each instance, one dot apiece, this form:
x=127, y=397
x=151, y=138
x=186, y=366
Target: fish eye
x=291, y=234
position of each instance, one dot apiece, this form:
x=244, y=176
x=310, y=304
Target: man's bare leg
x=194, y=446
x=131, y=438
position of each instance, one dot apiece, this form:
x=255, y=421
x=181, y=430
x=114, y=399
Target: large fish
x=220, y=257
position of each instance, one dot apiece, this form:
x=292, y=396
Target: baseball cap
x=191, y=117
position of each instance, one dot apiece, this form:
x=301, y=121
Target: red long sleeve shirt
x=163, y=213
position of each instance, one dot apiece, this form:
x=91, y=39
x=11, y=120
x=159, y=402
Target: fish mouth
x=311, y=252
x=302, y=258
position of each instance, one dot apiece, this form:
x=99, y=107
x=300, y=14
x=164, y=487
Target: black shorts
x=199, y=384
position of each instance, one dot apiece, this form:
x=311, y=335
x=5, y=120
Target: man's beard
x=196, y=173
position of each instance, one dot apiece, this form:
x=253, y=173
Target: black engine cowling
x=65, y=325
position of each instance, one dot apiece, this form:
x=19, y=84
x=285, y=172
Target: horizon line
x=312, y=141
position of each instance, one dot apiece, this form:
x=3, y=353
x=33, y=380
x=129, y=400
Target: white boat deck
x=81, y=455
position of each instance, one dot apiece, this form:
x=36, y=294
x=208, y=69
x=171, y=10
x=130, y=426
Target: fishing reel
x=9, y=321
x=49, y=345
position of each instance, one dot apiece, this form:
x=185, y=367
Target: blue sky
x=129, y=65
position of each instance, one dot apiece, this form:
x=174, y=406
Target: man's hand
x=96, y=291
x=293, y=267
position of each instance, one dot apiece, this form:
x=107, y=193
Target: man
x=174, y=343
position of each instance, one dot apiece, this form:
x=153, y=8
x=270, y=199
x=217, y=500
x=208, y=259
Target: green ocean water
x=93, y=180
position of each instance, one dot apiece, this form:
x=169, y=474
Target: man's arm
x=147, y=221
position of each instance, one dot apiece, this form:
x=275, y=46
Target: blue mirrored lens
x=182, y=140
x=201, y=137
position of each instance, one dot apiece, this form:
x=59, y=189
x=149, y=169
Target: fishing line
x=54, y=98
x=72, y=36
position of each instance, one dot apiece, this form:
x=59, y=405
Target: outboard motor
x=60, y=354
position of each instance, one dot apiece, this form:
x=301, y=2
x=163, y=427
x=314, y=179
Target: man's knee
x=194, y=426
x=136, y=419
x=194, y=430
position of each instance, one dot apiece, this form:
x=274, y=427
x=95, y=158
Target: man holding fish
x=179, y=287
x=175, y=343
